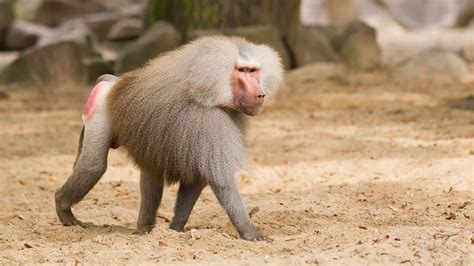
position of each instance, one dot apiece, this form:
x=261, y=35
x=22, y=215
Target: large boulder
x=23, y=34
x=134, y=10
x=194, y=34
x=54, y=12
x=269, y=35
x=159, y=38
x=357, y=44
x=320, y=71
x=308, y=45
x=7, y=57
x=100, y=23
x=6, y=17
x=74, y=31
x=125, y=29
x=55, y=65
x=432, y=62
x=97, y=66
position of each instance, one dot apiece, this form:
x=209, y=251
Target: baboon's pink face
x=247, y=95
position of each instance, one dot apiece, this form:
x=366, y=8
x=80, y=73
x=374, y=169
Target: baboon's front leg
x=228, y=195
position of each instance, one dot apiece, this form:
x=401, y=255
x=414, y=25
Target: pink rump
x=88, y=110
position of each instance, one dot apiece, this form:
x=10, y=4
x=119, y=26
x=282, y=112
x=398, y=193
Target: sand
x=350, y=170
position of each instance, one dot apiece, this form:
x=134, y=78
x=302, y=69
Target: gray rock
x=100, y=23
x=159, y=38
x=266, y=34
x=357, y=44
x=134, y=11
x=320, y=71
x=97, y=66
x=7, y=57
x=23, y=34
x=310, y=44
x=15, y=72
x=125, y=29
x=54, y=12
x=55, y=65
x=194, y=34
x=433, y=62
x=75, y=31
x=6, y=17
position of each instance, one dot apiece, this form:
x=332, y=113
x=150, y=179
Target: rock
x=6, y=17
x=422, y=13
x=320, y=71
x=55, y=65
x=125, y=29
x=54, y=12
x=97, y=66
x=15, y=72
x=23, y=34
x=159, y=38
x=432, y=62
x=75, y=31
x=308, y=45
x=194, y=34
x=100, y=23
x=8, y=57
x=269, y=35
x=467, y=52
x=357, y=44
x=134, y=11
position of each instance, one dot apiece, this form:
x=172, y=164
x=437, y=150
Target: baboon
x=181, y=118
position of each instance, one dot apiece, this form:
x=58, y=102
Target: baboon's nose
x=261, y=96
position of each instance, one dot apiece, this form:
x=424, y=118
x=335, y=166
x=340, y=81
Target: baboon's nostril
x=261, y=96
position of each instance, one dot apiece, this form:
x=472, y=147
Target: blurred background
x=43, y=42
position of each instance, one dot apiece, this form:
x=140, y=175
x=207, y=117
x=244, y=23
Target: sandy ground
x=350, y=170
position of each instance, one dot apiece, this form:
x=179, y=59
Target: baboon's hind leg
x=89, y=167
x=91, y=162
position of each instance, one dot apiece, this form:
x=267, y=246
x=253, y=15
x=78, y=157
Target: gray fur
x=151, y=189
x=170, y=117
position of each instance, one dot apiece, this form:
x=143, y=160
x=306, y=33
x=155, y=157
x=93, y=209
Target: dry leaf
x=447, y=190
x=253, y=211
x=450, y=216
x=116, y=183
x=194, y=234
x=463, y=205
x=310, y=212
x=393, y=208
x=122, y=193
